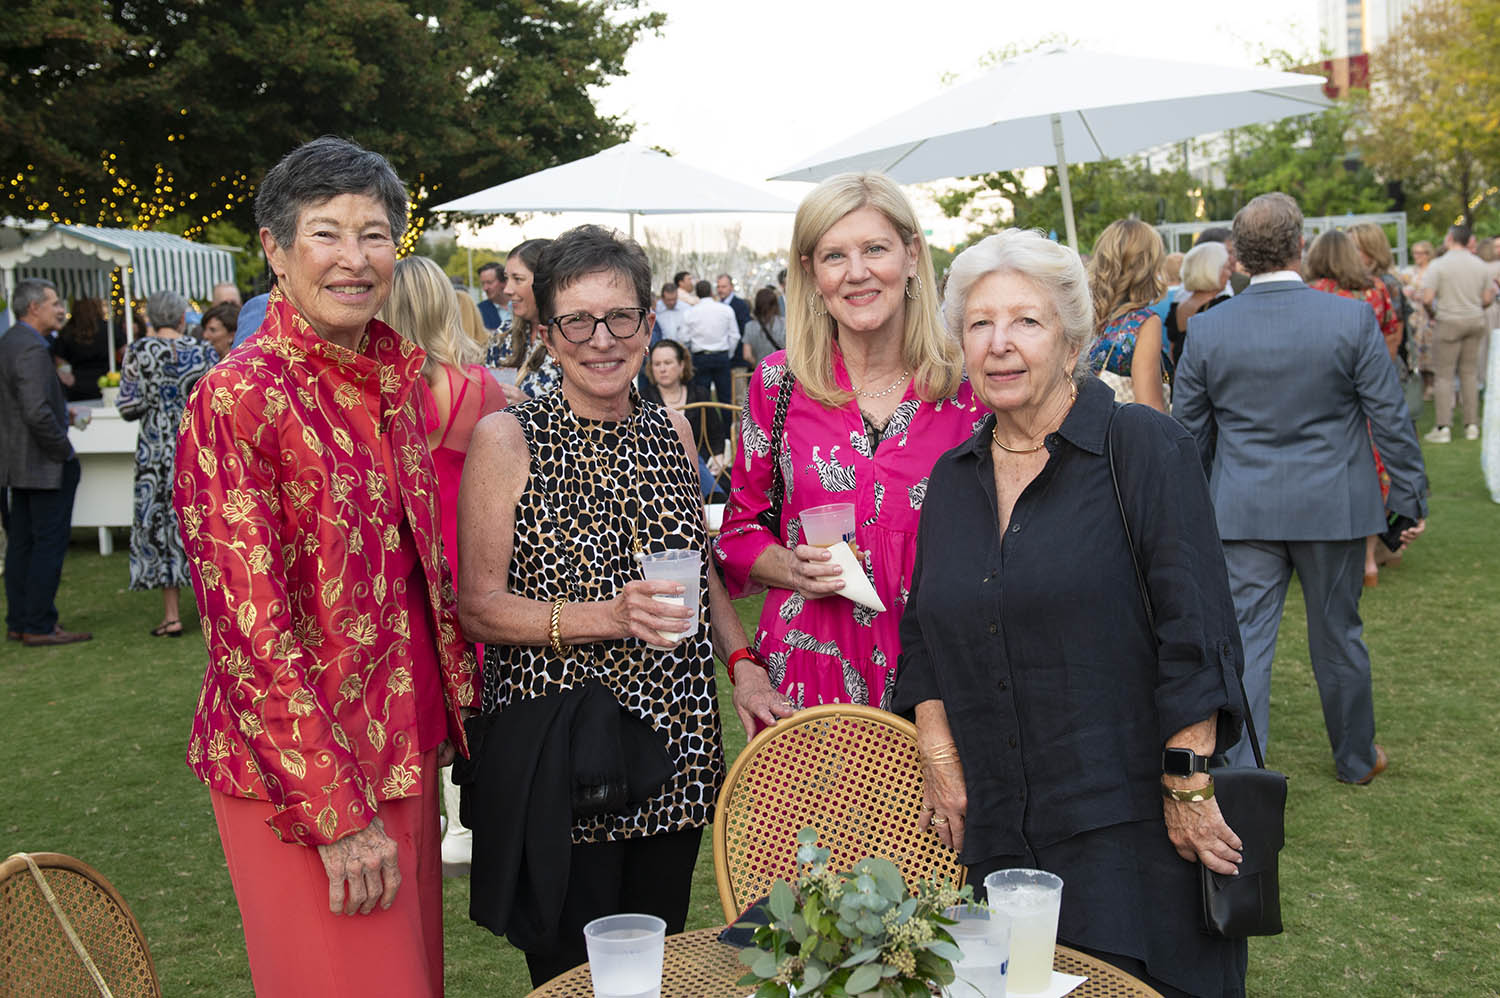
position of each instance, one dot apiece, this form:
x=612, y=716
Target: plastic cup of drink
x=713, y=513
x=825, y=526
x=1031, y=900
x=625, y=954
x=680, y=566
x=984, y=938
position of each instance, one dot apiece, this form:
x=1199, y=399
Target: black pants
x=37, y=525
x=650, y=876
x=712, y=370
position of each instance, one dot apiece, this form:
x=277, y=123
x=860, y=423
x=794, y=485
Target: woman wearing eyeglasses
x=561, y=496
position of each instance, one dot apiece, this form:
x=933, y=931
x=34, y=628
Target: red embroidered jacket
x=291, y=528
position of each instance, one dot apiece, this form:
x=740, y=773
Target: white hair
x=1201, y=267
x=1055, y=269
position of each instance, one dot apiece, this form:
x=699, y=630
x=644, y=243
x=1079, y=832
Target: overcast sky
x=747, y=88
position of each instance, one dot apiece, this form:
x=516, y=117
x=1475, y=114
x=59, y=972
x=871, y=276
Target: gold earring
x=909, y=295
x=813, y=299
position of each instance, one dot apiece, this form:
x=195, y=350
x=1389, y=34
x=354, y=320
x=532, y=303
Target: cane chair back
x=699, y=416
x=70, y=944
x=852, y=773
x=740, y=385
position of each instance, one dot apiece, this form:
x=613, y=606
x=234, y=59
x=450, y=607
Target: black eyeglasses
x=578, y=327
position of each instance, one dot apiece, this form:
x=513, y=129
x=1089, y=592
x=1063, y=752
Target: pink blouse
x=830, y=650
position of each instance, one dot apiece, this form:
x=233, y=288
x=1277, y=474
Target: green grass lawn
x=1386, y=890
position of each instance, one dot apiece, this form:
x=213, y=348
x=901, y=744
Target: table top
x=697, y=965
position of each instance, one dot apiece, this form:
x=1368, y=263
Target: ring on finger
x=938, y=819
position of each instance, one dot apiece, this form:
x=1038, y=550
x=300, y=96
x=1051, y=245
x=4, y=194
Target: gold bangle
x=942, y=754
x=1195, y=796
x=555, y=633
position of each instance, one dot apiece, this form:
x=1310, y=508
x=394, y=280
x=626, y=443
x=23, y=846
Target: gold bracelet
x=942, y=754
x=1196, y=796
x=555, y=633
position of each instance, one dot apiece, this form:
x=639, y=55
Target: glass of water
x=625, y=953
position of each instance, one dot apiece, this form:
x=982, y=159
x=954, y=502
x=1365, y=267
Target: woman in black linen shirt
x=1026, y=648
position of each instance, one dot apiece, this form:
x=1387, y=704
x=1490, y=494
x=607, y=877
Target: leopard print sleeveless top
x=593, y=488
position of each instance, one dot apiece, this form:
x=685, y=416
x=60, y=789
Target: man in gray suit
x=1276, y=385
x=37, y=465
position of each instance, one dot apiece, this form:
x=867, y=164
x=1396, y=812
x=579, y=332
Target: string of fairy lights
x=142, y=209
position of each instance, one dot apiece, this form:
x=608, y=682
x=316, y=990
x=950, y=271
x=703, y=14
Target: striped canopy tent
x=81, y=259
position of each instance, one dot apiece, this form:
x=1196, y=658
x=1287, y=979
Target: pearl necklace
x=886, y=390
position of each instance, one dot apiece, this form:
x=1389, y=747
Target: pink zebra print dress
x=829, y=650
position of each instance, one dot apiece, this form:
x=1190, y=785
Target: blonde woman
x=456, y=393
x=870, y=391
x=1125, y=277
x=1205, y=278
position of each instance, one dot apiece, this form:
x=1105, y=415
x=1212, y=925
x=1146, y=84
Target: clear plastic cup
x=825, y=526
x=1031, y=900
x=984, y=938
x=681, y=566
x=625, y=953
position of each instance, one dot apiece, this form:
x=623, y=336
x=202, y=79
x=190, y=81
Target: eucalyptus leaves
x=854, y=933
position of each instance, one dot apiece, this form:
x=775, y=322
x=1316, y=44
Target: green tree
x=158, y=108
x=1434, y=106
x=1312, y=157
x=1102, y=192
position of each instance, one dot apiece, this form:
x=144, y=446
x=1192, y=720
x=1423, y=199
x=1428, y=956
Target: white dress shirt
x=669, y=320
x=709, y=327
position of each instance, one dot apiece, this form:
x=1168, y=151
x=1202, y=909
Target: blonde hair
x=932, y=356
x=1370, y=240
x=1125, y=269
x=423, y=309
x=470, y=319
x=1203, y=265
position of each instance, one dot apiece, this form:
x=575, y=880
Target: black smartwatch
x=1182, y=762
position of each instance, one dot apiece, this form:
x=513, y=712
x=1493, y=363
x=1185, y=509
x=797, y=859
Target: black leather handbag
x=1251, y=799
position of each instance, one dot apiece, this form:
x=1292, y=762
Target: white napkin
x=857, y=588
x=1060, y=985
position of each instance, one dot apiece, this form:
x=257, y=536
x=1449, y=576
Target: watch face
x=1178, y=761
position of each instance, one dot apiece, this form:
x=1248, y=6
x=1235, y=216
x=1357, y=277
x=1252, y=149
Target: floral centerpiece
x=855, y=933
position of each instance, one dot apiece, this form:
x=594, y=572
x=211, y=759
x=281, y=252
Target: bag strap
x=1140, y=578
x=771, y=518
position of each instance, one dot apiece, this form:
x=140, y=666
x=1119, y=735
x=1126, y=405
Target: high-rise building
x=1349, y=27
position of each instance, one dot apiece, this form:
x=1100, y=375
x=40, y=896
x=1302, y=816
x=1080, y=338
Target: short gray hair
x=166, y=308
x=30, y=291
x=1201, y=267
x=1268, y=233
x=1052, y=267
x=319, y=171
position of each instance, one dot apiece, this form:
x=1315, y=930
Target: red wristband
x=743, y=654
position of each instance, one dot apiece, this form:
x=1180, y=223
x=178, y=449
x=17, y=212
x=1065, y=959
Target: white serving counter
x=106, y=452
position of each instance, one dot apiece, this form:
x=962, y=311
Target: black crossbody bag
x=1251, y=799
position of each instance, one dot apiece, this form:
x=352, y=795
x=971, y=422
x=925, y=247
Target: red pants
x=297, y=946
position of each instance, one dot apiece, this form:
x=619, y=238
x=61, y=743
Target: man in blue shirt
x=37, y=465
x=494, y=309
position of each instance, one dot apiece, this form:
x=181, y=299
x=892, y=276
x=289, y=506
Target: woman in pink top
x=456, y=393
x=870, y=391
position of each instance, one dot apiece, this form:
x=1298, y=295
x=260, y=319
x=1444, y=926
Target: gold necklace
x=995, y=431
x=886, y=390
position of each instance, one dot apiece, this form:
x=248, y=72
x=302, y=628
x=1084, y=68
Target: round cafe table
x=696, y=965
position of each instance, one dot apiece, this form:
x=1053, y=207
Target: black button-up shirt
x=1059, y=696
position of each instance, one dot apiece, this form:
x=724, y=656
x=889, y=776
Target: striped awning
x=73, y=257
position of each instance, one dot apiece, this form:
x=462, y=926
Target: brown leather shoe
x=1380, y=763
x=13, y=635
x=57, y=637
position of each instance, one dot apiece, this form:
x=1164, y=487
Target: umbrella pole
x=1062, y=180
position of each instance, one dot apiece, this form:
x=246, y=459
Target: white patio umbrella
x=1064, y=106
x=627, y=178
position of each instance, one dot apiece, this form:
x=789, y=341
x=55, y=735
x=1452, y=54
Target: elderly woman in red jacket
x=337, y=675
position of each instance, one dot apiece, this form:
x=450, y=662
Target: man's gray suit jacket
x=33, y=413
x=1276, y=386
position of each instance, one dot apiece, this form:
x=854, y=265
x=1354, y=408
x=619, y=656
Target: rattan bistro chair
x=66, y=932
x=850, y=772
x=699, y=414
